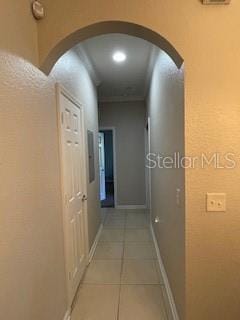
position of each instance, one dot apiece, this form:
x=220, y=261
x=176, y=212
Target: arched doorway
x=144, y=33
x=105, y=28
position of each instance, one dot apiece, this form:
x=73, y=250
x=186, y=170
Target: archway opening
x=152, y=124
x=107, y=27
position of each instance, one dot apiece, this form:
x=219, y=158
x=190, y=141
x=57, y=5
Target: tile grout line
x=120, y=286
x=122, y=259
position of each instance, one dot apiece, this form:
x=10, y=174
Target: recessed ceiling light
x=119, y=56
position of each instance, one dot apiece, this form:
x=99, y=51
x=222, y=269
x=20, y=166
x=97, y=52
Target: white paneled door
x=73, y=188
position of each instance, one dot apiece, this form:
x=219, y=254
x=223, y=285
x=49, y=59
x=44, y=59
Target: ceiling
x=118, y=81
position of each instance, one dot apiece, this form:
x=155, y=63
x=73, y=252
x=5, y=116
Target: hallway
x=123, y=280
x=165, y=77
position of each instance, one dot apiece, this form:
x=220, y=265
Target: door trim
x=101, y=151
x=113, y=129
x=60, y=90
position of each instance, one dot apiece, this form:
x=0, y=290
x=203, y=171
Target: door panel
x=102, y=166
x=72, y=160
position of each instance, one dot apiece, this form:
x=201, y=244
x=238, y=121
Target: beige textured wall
x=212, y=66
x=32, y=274
x=129, y=120
x=212, y=103
x=166, y=111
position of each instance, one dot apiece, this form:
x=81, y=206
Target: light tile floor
x=123, y=281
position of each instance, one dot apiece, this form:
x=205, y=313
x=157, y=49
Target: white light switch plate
x=216, y=202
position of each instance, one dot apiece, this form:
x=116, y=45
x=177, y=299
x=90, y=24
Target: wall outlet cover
x=216, y=202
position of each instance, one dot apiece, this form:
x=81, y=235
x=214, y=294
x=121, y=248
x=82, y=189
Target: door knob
x=157, y=219
x=84, y=197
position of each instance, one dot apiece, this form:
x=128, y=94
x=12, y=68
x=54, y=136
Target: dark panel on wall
x=91, y=165
x=108, y=147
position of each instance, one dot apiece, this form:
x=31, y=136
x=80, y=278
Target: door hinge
x=69, y=275
x=62, y=118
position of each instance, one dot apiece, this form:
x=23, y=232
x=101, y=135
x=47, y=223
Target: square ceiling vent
x=216, y=1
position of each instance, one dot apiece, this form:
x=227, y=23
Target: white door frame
x=113, y=129
x=102, y=166
x=61, y=90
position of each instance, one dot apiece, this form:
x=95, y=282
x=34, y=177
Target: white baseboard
x=131, y=207
x=92, y=251
x=67, y=315
x=165, y=278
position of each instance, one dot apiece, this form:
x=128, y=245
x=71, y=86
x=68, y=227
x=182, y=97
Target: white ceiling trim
x=85, y=58
x=121, y=99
